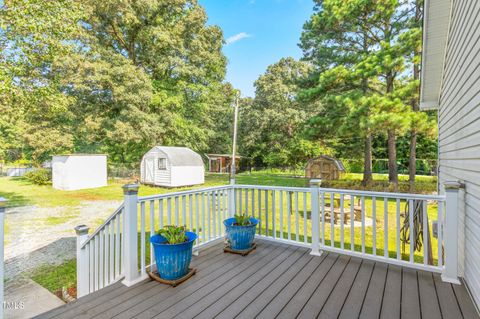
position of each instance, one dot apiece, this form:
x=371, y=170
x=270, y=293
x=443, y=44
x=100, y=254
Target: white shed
x=172, y=167
x=79, y=171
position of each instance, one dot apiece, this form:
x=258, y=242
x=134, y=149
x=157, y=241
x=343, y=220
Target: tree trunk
x=412, y=168
x=392, y=159
x=412, y=161
x=367, y=168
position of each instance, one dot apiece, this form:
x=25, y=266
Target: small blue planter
x=240, y=237
x=173, y=260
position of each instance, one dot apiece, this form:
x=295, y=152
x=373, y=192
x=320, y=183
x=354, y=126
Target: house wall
x=459, y=131
x=73, y=172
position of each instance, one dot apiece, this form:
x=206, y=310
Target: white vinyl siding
x=459, y=131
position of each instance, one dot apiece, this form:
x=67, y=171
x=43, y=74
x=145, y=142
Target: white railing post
x=130, y=236
x=450, y=228
x=3, y=202
x=232, y=208
x=82, y=261
x=315, y=216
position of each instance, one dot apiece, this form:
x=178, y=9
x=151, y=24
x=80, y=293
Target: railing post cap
x=453, y=185
x=315, y=182
x=81, y=230
x=130, y=189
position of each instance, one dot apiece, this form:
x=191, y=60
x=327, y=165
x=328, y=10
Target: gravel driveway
x=40, y=235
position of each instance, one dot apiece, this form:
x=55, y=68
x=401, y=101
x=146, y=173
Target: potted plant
x=173, y=251
x=240, y=232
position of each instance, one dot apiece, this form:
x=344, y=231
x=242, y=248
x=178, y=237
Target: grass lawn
x=21, y=192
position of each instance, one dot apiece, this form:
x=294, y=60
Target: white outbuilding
x=79, y=171
x=172, y=167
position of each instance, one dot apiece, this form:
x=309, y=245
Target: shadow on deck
x=279, y=280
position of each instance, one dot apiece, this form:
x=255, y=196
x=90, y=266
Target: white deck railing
x=370, y=225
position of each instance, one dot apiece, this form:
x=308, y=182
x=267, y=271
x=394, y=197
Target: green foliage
x=173, y=234
x=110, y=76
x=270, y=124
x=242, y=220
x=39, y=176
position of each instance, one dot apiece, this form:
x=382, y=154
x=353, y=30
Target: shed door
x=149, y=169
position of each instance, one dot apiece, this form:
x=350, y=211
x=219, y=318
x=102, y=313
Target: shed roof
x=180, y=156
x=337, y=162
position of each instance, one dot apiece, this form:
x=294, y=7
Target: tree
x=113, y=76
x=271, y=123
x=359, y=50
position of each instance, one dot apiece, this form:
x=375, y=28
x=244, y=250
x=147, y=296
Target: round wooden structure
x=324, y=167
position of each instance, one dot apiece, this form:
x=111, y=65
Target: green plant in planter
x=173, y=234
x=242, y=220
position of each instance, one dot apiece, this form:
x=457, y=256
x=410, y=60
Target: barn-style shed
x=172, y=167
x=324, y=167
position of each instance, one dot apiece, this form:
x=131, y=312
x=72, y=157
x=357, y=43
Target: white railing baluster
x=204, y=232
x=332, y=219
x=440, y=232
x=209, y=219
x=169, y=211
x=96, y=264
x=177, y=213
x=152, y=230
x=425, y=233
x=160, y=213
x=352, y=222
x=101, y=257
x=219, y=212
x=106, y=243
x=397, y=228
x=117, y=246
x=274, y=230
x=112, y=251
x=281, y=215
x=289, y=215
x=240, y=200
x=363, y=223
x=342, y=245
x=184, y=211
x=385, y=227
x=266, y=213
x=214, y=212
x=197, y=222
x=297, y=226
x=410, y=220
x=374, y=226
x=323, y=219
x=259, y=211
x=190, y=212
x=92, y=272
x=142, y=239
x=253, y=203
x=305, y=234
x=246, y=201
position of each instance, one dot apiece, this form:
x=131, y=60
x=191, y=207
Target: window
x=162, y=163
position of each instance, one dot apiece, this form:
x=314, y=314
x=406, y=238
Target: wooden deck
x=281, y=281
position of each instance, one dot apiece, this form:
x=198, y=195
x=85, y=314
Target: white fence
x=370, y=225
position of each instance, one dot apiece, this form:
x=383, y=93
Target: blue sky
x=259, y=32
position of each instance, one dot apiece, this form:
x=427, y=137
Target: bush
x=39, y=176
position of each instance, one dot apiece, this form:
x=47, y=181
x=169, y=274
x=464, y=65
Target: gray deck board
x=374, y=297
x=392, y=295
x=281, y=281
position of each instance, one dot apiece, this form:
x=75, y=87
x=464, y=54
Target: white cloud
x=237, y=37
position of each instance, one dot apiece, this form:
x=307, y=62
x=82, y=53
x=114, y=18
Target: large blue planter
x=173, y=260
x=240, y=237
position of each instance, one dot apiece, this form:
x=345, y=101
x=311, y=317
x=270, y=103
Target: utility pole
x=234, y=147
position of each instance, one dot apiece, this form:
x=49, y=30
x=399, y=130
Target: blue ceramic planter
x=173, y=260
x=240, y=237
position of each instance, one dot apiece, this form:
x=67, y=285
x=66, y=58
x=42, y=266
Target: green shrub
x=39, y=176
